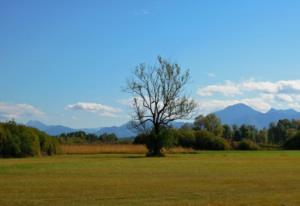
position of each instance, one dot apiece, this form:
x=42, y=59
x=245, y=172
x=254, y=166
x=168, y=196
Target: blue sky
x=65, y=62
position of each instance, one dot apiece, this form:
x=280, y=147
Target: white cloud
x=227, y=89
x=261, y=95
x=284, y=98
x=207, y=106
x=251, y=85
x=100, y=109
x=289, y=86
x=126, y=102
x=257, y=103
x=230, y=88
x=17, y=111
x=212, y=105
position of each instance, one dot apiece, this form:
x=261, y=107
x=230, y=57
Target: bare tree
x=159, y=99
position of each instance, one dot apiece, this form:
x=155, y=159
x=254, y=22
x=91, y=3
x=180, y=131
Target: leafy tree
x=21, y=141
x=278, y=132
x=262, y=136
x=205, y=140
x=185, y=137
x=158, y=100
x=293, y=143
x=210, y=123
x=248, y=132
x=247, y=144
x=227, y=132
x=236, y=133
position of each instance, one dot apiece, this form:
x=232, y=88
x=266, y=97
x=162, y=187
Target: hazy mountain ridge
x=121, y=131
x=242, y=114
x=237, y=114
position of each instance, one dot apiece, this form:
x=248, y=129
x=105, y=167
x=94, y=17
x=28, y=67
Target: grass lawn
x=207, y=178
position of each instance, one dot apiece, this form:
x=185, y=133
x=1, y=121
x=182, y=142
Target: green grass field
x=208, y=178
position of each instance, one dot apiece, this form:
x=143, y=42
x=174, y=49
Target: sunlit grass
x=206, y=178
x=114, y=149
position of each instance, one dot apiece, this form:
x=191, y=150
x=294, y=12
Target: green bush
x=207, y=141
x=185, y=138
x=49, y=145
x=247, y=144
x=293, y=143
x=21, y=141
x=141, y=139
x=29, y=142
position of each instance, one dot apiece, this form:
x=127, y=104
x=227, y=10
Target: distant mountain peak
x=34, y=122
x=239, y=114
x=240, y=106
x=37, y=124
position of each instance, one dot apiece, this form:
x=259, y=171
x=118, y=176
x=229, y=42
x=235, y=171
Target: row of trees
x=212, y=123
x=277, y=133
x=21, y=141
x=80, y=137
x=208, y=133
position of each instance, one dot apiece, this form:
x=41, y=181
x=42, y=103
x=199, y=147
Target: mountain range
x=54, y=130
x=237, y=114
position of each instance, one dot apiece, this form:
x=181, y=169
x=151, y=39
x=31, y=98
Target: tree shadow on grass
x=134, y=157
x=117, y=156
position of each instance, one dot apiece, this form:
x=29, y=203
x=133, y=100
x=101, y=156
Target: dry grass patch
x=104, y=149
x=115, y=149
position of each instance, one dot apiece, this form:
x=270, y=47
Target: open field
x=207, y=178
x=114, y=149
x=103, y=149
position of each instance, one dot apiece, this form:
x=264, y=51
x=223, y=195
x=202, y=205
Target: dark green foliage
x=166, y=138
x=48, y=144
x=236, y=133
x=207, y=141
x=244, y=137
x=262, y=136
x=248, y=132
x=282, y=130
x=108, y=138
x=21, y=141
x=155, y=142
x=185, y=137
x=293, y=143
x=80, y=137
x=227, y=132
x=247, y=144
x=141, y=139
x=210, y=123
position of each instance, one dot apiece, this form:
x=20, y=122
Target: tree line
x=208, y=133
x=80, y=137
x=22, y=141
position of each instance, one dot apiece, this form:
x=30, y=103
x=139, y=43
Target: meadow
x=226, y=178
x=115, y=149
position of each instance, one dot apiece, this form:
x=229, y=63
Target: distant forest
x=206, y=133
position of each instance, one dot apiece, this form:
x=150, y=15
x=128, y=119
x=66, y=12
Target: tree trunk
x=155, y=150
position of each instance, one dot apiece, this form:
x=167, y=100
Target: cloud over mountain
x=17, y=111
x=261, y=95
x=100, y=109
